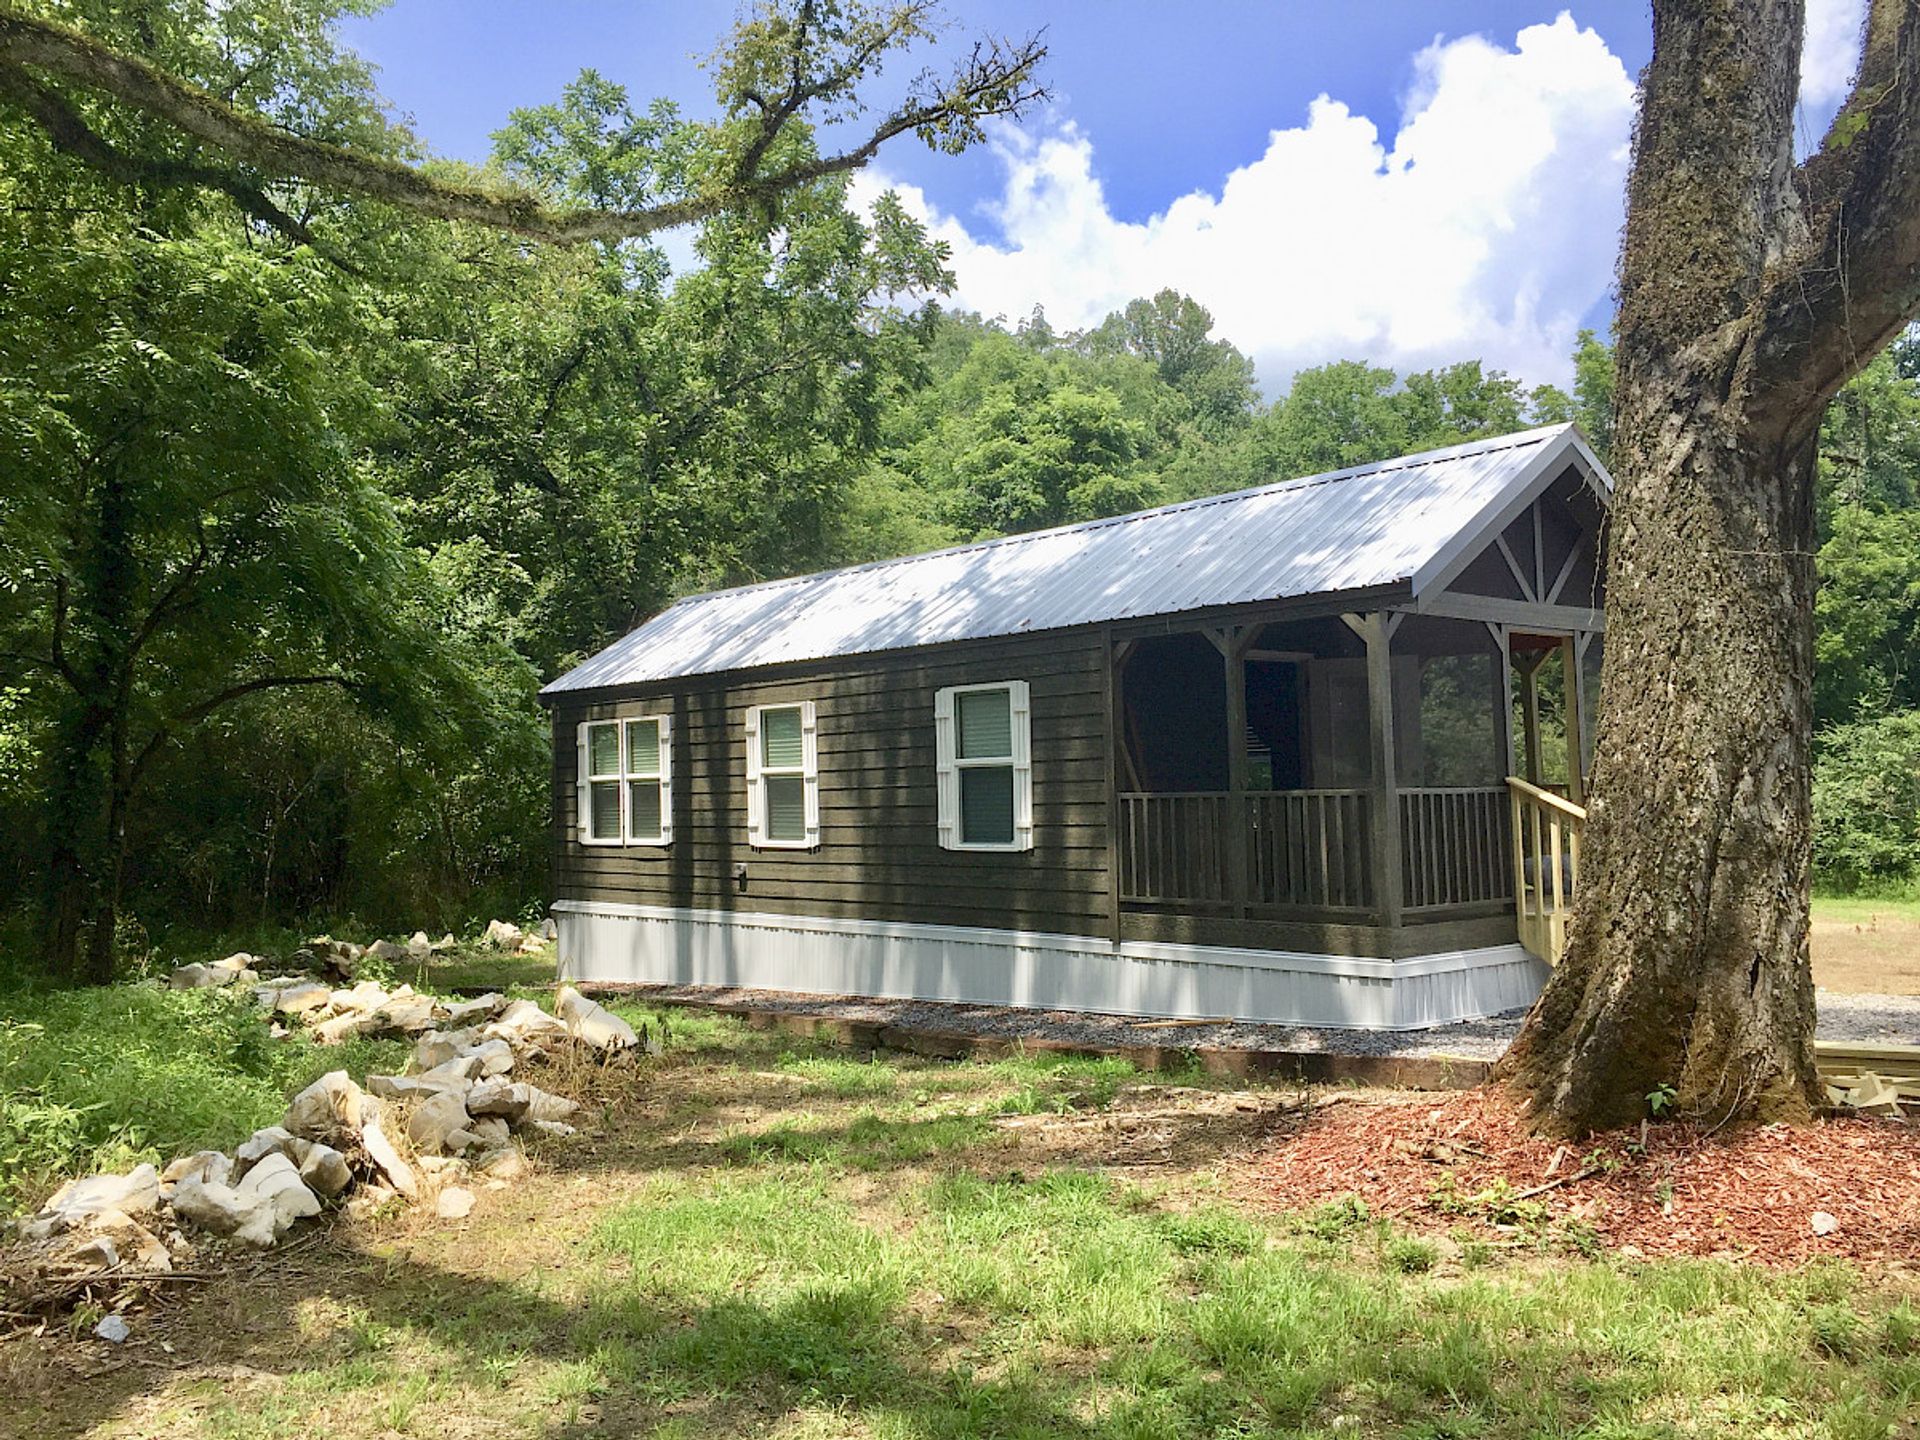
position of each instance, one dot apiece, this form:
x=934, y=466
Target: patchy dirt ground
x=757, y=1236
x=1861, y=947
x=1441, y=1164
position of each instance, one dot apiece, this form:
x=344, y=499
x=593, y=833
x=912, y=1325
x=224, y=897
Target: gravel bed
x=1869, y=1019
x=1878, y=1019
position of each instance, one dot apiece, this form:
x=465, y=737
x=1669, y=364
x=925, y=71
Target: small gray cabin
x=1262, y=755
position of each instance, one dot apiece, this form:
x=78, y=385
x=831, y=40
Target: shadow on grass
x=888, y=1275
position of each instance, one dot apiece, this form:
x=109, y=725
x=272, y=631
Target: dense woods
x=293, y=523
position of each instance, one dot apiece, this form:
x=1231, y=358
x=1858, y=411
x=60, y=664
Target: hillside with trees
x=295, y=523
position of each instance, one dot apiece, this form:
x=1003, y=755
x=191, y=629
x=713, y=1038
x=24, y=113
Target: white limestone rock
x=386, y=1156
x=592, y=1023
x=283, y=1198
x=492, y=1057
x=387, y=950
x=469, y=1012
x=545, y=1105
x=301, y=998
x=201, y=1165
x=347, y=1025
x=523, y=1021
x=412, y=1013
x=219, y=1208
x=507, y=1099
x=434, y=1120
x=366, y=997
x=413, y=1087
x=454, y=1203
x=274, y=1140
x=330, y=1108
x=504, y=934
x=135, y=1193
x=324, y=1170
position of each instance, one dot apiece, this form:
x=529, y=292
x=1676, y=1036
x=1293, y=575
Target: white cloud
x=1831, y=51
x=1485, y=228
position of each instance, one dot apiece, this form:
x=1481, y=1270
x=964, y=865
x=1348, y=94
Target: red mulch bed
x=1747, y=1194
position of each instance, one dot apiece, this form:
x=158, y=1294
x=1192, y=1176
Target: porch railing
x=1454, y=846
x=1312, y=850
x=1175, y=848
x=1546, y=865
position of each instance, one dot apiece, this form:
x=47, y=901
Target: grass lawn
x=764, y=1240
x=1867, y=946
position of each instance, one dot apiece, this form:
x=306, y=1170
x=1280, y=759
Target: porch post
x=1385, y=790
x=1237, y=639
x=1502, y=700
x=1110, y=668
x=1576, y=722
x=1530, y=714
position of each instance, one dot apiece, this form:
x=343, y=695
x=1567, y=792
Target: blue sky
x=1388, y=180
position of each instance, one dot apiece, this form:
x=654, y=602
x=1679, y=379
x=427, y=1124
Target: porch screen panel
x=1451, y=764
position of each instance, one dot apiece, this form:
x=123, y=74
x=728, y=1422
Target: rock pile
x=451, y=1122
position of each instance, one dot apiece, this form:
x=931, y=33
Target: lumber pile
x=1878, y=1079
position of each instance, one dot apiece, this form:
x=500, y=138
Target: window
x=783, y=777
x=983, y=740
x=626, y=781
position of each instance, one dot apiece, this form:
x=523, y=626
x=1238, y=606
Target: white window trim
x=808, y=771
x=583, y=795
x=949, y=766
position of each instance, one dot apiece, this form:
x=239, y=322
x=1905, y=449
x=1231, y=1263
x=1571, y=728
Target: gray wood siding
x=879, y=856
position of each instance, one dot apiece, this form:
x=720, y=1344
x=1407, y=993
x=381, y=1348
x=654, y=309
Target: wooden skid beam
x=1299, y=1066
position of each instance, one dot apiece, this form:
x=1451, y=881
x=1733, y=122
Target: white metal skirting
x=638, y=944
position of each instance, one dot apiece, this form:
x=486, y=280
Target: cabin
x=1290, y=754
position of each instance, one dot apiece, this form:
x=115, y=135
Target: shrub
x=1866, y=801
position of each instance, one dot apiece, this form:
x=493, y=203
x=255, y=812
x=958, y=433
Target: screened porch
x=1343, y=769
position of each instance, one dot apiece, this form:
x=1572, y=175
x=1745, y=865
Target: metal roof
x=1372, y=525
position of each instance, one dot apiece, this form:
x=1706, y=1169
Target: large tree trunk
x=1750, y=289
x=1688, y=956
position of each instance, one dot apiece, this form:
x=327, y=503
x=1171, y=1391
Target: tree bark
x=1750, y=290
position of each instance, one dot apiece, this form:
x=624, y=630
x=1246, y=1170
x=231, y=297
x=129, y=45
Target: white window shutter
x=582, y=796
x=946, y=782
x=756, y=802
x=666, y=779
x=1022, y=710
x=810, y=751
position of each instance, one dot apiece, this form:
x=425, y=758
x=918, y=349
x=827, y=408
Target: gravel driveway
x=1879, y=1019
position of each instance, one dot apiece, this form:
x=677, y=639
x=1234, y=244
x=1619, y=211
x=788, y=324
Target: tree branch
x=72, y=135
x=997, y=81
x=1838, y=297
x=194, y=714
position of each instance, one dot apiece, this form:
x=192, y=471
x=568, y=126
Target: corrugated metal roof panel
x=1351, y=529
